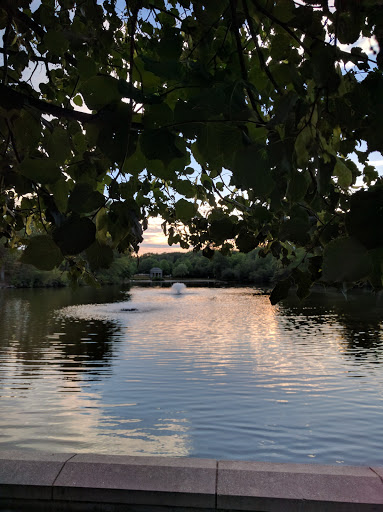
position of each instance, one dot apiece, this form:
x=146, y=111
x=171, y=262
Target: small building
x=155, y=273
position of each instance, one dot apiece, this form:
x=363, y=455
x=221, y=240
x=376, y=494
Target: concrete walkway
x=40, y=481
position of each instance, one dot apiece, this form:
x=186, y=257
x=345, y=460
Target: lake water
x=212, y=373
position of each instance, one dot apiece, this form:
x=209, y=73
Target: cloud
x=376, y=163
x=154, y=239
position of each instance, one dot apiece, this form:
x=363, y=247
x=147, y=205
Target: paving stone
x=30, y=475
x=273, y=487
x=162, y=481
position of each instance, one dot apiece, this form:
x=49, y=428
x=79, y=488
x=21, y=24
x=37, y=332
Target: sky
x=155, y=241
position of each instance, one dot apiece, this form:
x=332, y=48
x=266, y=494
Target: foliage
x=235, y=267
x=235, y=121
x=14, y=272
x=19, y=275
x=180, y=270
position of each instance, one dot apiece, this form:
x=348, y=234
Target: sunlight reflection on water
x=214, y=373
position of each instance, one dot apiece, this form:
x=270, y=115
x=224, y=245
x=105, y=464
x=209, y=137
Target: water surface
x=217, y=373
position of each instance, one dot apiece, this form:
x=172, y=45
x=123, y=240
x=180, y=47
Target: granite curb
x=114, y=483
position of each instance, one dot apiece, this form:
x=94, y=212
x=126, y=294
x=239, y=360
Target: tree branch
x=242, y=64
x=133, y=26
x=155, y=7
x=9, y=98
x=34, y=58
x=260, y=54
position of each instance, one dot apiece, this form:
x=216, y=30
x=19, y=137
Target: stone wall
x=46, y=482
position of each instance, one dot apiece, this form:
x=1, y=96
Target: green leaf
x=343, y=174
x=185, y=210
x=60, y=191
x=221, y=230
x=303, y=281
x=75, y=235
x=302, y=146
x=345, y=259
x=251, y=169
x=157, y=115
x=280, y=291
x=349, y=27
x=56, y=42
x=58, y=145
x=370, y=174
x=296, y=230
x=297, y=186
x=284, y=10
x=280, y=47
x=77, y=100
x=246, y=242
x=86, y=66
x=42, y=253
x=323, y=67
x=285, y=105
x=27, y=130
x=41, y=170
x=365, y=218
x=99, y=255
x=218, y=143
x=185, y=188
x=83, y=199
x=160, y=145
x=100, y=91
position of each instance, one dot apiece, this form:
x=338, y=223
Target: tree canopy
x=239, y=122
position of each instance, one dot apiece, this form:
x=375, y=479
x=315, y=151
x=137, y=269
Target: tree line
x=234, y=268
x=15, y=273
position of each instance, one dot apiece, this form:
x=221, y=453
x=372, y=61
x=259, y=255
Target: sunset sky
x=155, y=241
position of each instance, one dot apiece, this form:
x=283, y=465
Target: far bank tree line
x=237, y=267
x=14, y=273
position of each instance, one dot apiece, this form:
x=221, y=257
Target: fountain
x=178, y=288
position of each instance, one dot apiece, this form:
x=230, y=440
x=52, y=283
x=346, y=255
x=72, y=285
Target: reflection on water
x=359, y=321
x=214, y=373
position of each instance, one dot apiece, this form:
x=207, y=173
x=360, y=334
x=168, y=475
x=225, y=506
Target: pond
x=209, y=372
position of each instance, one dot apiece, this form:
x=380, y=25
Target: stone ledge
x=30, y=474
x=138, y=480
x=277, y=487
x=68, y=482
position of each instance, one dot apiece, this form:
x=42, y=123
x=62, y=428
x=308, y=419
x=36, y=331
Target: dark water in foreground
x=216, y=373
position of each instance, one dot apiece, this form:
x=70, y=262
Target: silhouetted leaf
x=365, y=218
x=251, y=170
x=42, y=252
x=185, y=210
x=99, y=91
x=345, y=259
x=84, y=199
x=280, y=291
x=75, y=235
x=159, y=145
x=99, y=255
x=41, y=170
